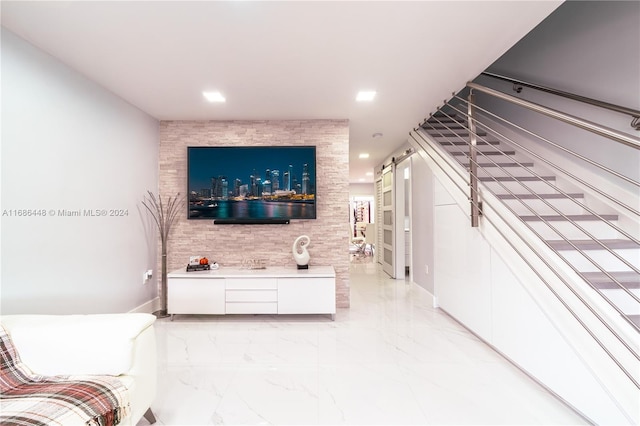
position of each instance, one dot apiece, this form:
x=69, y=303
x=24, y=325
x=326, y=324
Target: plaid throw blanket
x=28, y=399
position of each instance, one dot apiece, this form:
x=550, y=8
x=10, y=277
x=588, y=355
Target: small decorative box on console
x=191, y=268
x=200, y=263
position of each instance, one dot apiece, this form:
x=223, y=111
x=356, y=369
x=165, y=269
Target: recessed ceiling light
x=365, y=95
x=364, y=155
x=214, y=96
x=361, y=179
x=369, y=174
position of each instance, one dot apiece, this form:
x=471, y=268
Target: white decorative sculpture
x=300, y=253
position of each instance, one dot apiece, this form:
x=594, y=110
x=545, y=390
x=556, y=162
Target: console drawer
x=252, y=283
x=252, y=295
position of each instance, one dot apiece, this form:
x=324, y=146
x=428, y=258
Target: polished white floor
x=391, y=359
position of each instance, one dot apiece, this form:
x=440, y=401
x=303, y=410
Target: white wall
x=402, y=218
x=361, y=190
x=69, y=144
x=482, y=283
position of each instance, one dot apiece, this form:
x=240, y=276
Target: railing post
x=473, y=164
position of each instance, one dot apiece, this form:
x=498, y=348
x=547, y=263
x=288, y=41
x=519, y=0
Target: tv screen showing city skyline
x=253, y=183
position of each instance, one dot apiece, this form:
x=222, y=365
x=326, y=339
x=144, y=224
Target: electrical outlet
x=426, y=269
x=147, y=275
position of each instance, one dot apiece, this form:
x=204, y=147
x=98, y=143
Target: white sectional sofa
x=121, y=345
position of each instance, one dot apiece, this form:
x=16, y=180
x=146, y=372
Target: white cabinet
x=261, y=291
x=306, y=296
x=202, y=296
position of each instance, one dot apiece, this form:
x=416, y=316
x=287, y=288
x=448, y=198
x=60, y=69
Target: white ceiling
x=282, y=60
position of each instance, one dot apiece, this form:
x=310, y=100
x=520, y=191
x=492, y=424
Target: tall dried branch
x=164, y=214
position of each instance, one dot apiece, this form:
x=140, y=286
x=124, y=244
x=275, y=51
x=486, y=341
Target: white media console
x=276, y=290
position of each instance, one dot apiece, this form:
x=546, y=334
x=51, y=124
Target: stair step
x=538, y=196
x=510, y=174
x=515, y=178
x=442, y=120
x=613, y=244
x=518, y=187
x=573, y=217
x=435, y=118
x=619, y=297
x=466, y=154
x=466, y=165
x=443, y=114
x=446, y=126
x=623, y=301
x=444, y=117
x=563, y=229
x=588, y=253
x=444, y=123
x=600, y=281
x=547, y=204
x=461, y=143
x=635, y=318
x=449, y=134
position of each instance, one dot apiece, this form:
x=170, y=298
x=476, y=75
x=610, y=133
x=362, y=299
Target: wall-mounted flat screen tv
x=257, y=184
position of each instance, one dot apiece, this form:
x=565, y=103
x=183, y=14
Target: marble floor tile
x=390, y=359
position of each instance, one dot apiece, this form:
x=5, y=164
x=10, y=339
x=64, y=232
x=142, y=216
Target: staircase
x=552, y=237
x=592, y=242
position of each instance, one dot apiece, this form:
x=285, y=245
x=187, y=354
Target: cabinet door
x=196, y=296
x=306, y=296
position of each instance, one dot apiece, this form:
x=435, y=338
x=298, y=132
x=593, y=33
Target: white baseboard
x=434, y=299
x=148, y=307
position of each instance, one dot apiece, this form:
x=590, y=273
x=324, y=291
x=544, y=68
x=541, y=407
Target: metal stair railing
x=445, y=124
x=582, y=205
x=561, y=214
x=610, y=134
x=421, y=141
x=474, y=178
x=567, y=151
x=519, y=84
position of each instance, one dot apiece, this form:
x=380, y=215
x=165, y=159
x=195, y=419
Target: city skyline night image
x=238, y=183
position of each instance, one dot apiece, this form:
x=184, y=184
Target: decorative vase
x=164, y=215
x=163, y=285
x=300, y=253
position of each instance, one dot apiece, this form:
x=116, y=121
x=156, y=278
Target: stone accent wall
x=229, y=244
